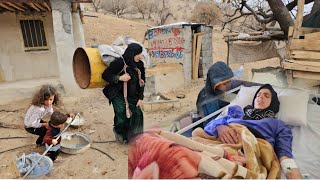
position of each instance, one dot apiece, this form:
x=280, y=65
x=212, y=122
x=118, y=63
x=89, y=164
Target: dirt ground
x=97, y=113
x=99, y=122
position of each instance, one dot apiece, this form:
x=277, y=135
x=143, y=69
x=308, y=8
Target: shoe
x=118, y=137
x=125, y=142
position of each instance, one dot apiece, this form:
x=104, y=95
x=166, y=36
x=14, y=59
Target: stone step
x=24, y=89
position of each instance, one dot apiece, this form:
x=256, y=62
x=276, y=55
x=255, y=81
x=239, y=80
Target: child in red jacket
x=56, y=123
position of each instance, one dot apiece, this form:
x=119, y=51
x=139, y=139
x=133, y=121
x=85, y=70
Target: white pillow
x=293, y=104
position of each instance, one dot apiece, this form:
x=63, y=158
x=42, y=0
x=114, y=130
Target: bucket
x=88, y=68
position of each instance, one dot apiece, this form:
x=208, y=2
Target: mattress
x=306, y=144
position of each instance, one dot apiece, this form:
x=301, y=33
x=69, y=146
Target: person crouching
x=56, y=123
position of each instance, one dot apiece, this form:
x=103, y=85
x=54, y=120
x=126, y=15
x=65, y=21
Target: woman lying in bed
x=260, y=119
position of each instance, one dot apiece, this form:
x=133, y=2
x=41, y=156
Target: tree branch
x=226, y=22
x=264, y=21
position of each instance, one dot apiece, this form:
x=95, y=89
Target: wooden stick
x=194, y=46
x=16, y=148
x=299, y=19
x=7, y=7
x=15, y=6
x=196, y=65
x=14, y=137
x=47, y=6
x=103, y=152
x=34, y=7
x=40, y=7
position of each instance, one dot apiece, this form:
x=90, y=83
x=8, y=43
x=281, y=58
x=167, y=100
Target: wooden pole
x=196, y=65
x=299, y=19
x=194, y=46
x=228, y=51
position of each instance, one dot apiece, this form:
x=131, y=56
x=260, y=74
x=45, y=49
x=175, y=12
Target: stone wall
x=172, y=44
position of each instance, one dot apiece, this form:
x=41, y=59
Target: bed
x=299, y=111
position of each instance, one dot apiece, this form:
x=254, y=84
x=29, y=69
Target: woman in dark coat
x=126, y=124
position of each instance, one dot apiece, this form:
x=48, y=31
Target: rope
x=125, y=88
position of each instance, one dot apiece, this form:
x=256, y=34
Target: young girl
x=41, y=105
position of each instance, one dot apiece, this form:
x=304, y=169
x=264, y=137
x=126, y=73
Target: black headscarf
x=269, y=112
x=132, y=50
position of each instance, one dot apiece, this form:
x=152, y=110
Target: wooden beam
x=197, y=60
x=257, y=33
x=306, y=75
x=47, y=6
x=304, y=44
x=24, y=1
x=305, y=63
x=15, y=6
x=307, y=30
x=250, y=38
x=194, y=46
x=20, y=5
x=33, y=6
x=299, y=19
x=7, y=7
x=74, y=6
x=305, y=54
x=82, y=1
x=40, y=7
x=312, y=36
x=290, y=32
x=294, y=66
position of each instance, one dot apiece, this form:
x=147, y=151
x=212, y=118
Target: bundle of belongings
x=165, y=155
x=109, y=53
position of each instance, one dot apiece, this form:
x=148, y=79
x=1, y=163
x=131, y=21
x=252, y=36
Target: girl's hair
x=44, y=93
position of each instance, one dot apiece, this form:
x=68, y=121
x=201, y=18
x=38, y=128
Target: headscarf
x=269, y=112
x=132, y=50
x=217, y=73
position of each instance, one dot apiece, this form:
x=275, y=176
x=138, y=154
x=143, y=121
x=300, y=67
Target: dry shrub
x=207, y=13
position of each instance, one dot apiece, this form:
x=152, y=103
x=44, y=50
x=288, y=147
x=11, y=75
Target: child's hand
x=71, y=115
x=238, y=159
x=46, y=125
x=54, y=142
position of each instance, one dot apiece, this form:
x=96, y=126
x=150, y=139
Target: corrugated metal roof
x=179, y=24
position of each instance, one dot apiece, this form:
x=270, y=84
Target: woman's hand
x=139, y=103
x=227, y=135
x=294, y=173
x=54, y=142
x=125, y=77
